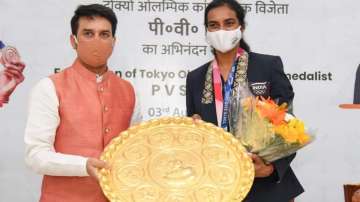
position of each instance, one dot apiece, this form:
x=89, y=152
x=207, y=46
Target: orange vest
x=91, y=114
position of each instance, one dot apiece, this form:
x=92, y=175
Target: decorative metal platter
x=176, y=160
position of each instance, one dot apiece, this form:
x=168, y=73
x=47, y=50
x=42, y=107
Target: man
x=74, y=114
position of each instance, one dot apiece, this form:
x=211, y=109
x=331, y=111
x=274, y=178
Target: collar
x=215, y=64
x=99, y=78
x=240, y=78
x=84, y=72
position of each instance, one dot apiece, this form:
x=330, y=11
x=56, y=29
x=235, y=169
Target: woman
x=209, y=87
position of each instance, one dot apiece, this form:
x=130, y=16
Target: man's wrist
x=85, y=167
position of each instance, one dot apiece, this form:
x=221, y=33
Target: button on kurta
x=106, y=109
x=107, y=130
x=101, y=89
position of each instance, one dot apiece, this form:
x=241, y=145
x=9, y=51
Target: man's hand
x=93, y=164
x=261, y=169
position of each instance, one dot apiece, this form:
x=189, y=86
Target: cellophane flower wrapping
x=265, y=128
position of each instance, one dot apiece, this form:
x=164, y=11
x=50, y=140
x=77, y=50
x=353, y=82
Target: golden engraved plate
x=176, y=160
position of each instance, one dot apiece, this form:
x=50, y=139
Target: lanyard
x=222, y=103
x=227, y=94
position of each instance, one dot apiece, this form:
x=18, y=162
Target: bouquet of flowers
x=265, y=128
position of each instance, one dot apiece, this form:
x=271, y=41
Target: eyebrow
x=87, y=30
x=227, y=19
x=91, y=30
x=212, y=21
x=230, y=19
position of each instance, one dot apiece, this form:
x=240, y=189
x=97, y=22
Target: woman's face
x=222, y=18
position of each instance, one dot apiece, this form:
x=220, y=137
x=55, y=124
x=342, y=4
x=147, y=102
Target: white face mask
x=223, y=40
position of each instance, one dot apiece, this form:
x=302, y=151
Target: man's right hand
x=93, y=164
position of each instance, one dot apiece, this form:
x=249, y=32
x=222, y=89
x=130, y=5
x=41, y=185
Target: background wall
x=312, y=37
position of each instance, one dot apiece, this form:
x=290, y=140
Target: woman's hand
x=196, y=117
x=261, y=169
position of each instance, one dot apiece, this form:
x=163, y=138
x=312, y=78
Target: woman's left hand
x=261, y=169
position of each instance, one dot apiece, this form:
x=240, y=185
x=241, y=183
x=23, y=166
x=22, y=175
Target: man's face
x=97, y=27
x=94, y=41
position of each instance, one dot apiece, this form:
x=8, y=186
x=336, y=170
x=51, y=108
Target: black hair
x=93, y=10
x=237, y=8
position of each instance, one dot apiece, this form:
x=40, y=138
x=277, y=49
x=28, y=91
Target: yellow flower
x=297, y=125
x=286, y=132
x=304, y=138
x=293, y=132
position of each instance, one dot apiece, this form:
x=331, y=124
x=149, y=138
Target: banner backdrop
x=158, y=42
